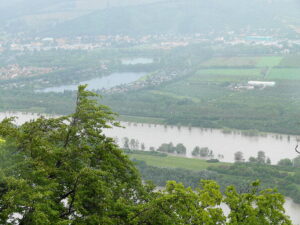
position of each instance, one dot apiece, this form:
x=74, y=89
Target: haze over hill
x=90, y=17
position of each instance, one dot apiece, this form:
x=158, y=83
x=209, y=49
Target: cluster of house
x=15, y=70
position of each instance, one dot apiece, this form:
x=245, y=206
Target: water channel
x=105, y=82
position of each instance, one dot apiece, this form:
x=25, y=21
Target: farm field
x=290, y=61
x=284, y=74
x=266, y=61
x=269, y=61
x=231, y=62
x=175, y=162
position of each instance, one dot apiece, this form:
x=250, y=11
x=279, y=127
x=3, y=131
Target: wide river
x=275, y=146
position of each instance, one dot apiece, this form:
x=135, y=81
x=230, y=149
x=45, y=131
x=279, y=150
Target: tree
x=239, y=156
x=254, y=207
x=180, y=149
x=152, y=149
x=285, y=162
x=126, y=142
x=204, y=152
x=65, y=170
x=261, y=157
x=296, y=161
x=252, y=159
x=178, y=205
x=168, y=148
x=143, y=147
x=132, y=144
x=196, y=151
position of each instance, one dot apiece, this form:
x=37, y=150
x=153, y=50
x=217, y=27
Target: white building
x=262, y=83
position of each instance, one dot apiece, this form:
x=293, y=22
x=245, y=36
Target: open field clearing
x=269, y=61
x=231, y=62
x=290, y=61
x=230, y=72
x=284, y=74
x=175, y=162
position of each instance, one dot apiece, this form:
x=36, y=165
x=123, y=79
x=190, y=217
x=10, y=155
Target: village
x=17, y=71
x=162, y=41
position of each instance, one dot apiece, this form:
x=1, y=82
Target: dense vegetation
x=161, y=168
x=66, y=171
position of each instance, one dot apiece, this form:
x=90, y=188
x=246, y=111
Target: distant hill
x=34, y=15
x=84, y=17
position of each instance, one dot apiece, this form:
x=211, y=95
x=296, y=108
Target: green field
x=269, y=61
x=284, y=74
x=172, y=95
x=290, y=61
x=231, y=62
x=175, y=162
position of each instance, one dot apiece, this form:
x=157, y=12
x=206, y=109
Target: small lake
x=135, y=61
x=106, y=82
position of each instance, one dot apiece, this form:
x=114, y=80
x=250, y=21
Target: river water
x=275, y=146
x=106, y=82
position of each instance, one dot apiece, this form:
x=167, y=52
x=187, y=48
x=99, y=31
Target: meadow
x=175, y=162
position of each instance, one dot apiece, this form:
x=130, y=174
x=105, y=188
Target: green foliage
x=66, y=171
x=285, y=162
x=265, y=207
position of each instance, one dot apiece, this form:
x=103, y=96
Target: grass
x=175, y=162
x=230, y=72
x=269, y=61
x=172, y=95
x=284, y=74
x=231, y=62
x=290, y=61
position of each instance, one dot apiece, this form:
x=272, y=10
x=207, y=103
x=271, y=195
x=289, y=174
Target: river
x=275, y=146
x=225, y=144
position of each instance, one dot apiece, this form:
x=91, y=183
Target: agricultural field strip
x=172, y=95
x=175, y=162
x=268, y=61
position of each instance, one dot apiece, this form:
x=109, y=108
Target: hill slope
x=186, y=16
